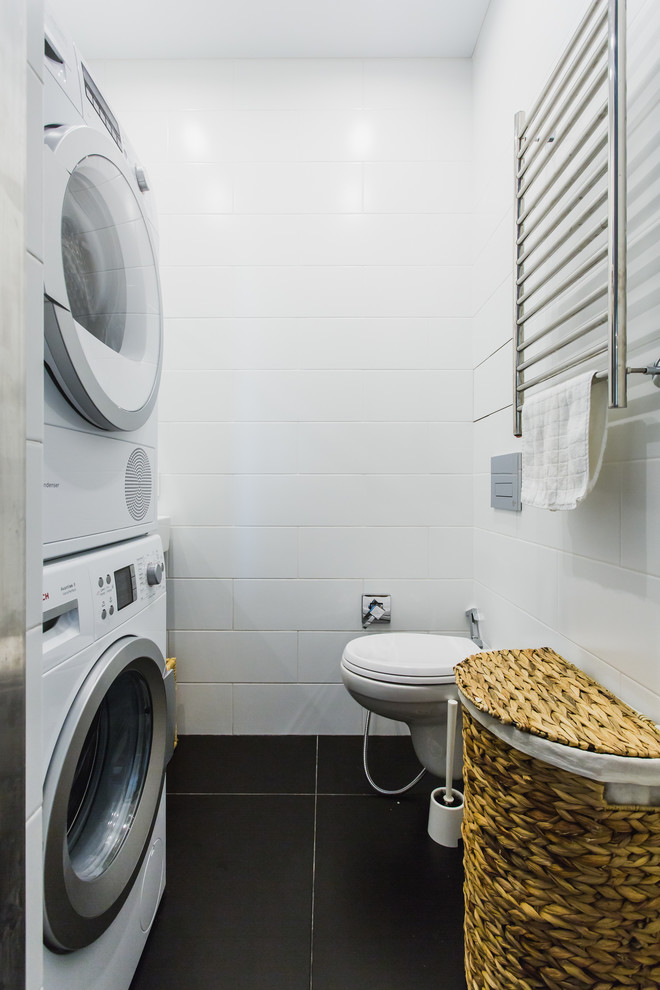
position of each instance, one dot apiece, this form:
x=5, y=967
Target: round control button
x=112, y=610
x=154, y=574
x=100, y=582
x=104, y=614
x=108, y=579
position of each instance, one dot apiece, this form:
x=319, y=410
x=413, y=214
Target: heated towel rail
x=570, y=214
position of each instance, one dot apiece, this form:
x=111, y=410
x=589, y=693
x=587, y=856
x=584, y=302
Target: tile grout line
x=311, y=934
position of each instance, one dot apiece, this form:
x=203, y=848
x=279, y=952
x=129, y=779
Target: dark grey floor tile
x=243, y=764
x=236, y=914
x=392, y=764
x=388, y=901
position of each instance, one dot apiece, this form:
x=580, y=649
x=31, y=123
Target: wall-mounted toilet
x=410, y=677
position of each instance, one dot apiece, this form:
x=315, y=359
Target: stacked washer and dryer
x=107, y=696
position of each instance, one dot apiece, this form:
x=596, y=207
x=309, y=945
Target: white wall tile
x=296, y=709
x=199, y=604
x=297, y=239
x=419, y=187
x=198, y=293
x=297, y=604
x=416, y=291
x=506, y=563
x=240, y=500
x=423, y=500
x=228, y=448
x=640, y=516
x=298, y=187
x=223, y=552
x=613, y=613
x=444, y=396
x=248, y=396
x=236, y=135
x=319, y=655
x=450, y=552
x=294, y=83
x=192, y=188
x=592, y=530
x=213, y=656
x=242, y=344
x=440, y=83
x=204, y=709
x=372, y=447
x=385, y=134
x=355, y=552
x=384, y=343
x=331, y=500
x=375, y=291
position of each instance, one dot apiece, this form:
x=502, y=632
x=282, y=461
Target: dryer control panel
x=93, y=593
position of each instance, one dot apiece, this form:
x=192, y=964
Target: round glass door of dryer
x=102, y=793
x=103, y=321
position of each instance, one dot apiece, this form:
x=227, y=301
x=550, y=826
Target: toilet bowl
x=409, y=677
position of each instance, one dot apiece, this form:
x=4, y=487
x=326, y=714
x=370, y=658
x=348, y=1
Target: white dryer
x=102, y=317
x=108, y=734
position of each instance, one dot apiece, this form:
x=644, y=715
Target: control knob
x=154, y=573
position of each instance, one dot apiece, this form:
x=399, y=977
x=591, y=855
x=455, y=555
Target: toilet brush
x=446, y=809
x=452, y=707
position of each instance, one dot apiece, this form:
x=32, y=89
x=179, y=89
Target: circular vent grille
x=137, y=484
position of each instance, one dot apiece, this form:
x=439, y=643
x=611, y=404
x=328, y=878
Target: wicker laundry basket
x=562, y=876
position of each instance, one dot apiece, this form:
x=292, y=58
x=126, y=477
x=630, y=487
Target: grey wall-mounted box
x=505, y=482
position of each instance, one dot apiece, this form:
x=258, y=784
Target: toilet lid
x=407, y=657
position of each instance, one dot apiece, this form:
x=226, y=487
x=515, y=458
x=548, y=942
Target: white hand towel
x=564, y=432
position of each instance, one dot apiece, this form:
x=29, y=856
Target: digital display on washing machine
x=125, y=586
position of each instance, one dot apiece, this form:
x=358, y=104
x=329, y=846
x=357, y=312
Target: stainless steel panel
x=12, y=498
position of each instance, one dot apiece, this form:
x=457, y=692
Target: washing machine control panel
x=93, y=593
x=128, y=583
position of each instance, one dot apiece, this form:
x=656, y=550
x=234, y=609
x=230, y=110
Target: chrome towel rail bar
x=570, y=168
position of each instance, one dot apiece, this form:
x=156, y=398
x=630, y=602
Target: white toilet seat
x=406, y=658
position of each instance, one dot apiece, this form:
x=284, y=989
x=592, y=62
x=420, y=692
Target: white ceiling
x=272, y=28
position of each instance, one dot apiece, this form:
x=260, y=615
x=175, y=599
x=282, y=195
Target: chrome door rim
x=77, y=911
x=71, y=352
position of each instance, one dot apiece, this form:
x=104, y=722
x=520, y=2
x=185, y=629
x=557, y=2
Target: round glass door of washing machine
x=102, y=793
x=102, y=320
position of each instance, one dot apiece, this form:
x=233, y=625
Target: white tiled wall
x=316, y=409
x=585, y=582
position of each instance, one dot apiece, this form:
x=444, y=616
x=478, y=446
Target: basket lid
x=539, y=692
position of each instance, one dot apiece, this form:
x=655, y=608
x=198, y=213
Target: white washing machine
x=108, y=735
x=102, y=317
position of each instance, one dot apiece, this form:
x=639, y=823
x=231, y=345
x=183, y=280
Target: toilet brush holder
x=445, y=819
